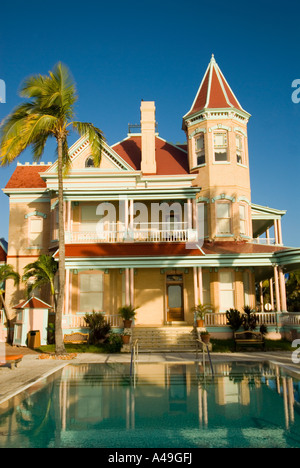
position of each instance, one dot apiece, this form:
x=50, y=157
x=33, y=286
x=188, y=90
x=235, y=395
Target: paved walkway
x=32, y=368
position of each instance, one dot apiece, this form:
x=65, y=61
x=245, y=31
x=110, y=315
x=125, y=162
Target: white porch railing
x=77, y=321
x=264, y=241
x=264, y=318
x=145, y=232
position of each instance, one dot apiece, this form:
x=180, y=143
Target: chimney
x=148, y=164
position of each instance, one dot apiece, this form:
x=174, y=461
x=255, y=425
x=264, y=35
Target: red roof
x=214, y=92
x=27, y=177
x=144, y=249
x=33, y=303
x=3, y=254
x=170, y=159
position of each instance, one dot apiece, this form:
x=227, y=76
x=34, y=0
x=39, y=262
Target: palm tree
x=49, y=112
x=7, y=272
x=41, y=273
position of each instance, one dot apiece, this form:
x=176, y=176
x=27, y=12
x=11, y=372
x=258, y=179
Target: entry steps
x=164, y=339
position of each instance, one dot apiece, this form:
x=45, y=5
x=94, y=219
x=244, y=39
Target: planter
x=205, y=338
x=200, y=323
x=126, y=339
x=127, y=323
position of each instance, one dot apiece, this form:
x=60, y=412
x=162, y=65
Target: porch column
x=194, y=212
x=276, y=232
x=131, y=214
x=282, y=290
x=132, y=286
x=69, y=216
x=279, y=231
x=277, y=293
x=268, y=236
x=189, y=212
x=200, y=285
x=261, y=296
x=126, y=208
x=271, y=292
x=195, y=286
x=67, y=293
x=127, y=286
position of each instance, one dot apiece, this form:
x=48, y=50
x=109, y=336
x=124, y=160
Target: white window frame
x=240, y=152
x=199, y=153
x=99, y=306
x=32, y=242
x=243, y=220
x=219, y=219
x=224, y=287
x=222, y=147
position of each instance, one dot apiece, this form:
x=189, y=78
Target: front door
x=175, y=298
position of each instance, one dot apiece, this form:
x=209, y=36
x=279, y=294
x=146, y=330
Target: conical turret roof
x=214, y=92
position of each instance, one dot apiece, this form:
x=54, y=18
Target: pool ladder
x=204, y=345
x=134, y=356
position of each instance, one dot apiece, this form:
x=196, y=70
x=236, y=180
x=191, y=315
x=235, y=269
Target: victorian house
x=158, y=225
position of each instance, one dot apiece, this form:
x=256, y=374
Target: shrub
x=114, y=343
x=99, y=328
x=234, y=319
x=249, y=319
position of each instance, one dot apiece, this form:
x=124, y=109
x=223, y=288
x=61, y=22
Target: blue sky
x=121, y=52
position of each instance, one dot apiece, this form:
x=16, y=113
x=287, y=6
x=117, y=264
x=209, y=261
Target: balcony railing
x=143, y=232
x=264, y=318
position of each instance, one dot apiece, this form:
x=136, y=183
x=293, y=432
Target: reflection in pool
x=164, y=406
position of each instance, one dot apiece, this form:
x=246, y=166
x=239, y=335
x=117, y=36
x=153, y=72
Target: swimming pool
x=163, y=406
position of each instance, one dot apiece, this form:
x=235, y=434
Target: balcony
x=143, y=232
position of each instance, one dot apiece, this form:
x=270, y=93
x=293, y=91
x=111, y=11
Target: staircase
x=165, y=339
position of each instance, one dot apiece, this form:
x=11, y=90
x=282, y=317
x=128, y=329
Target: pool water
x=163, y=406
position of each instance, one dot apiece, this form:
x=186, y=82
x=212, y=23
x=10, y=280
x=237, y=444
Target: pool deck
x=31, y=368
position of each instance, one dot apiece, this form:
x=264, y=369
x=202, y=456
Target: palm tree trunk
x=59, y=341
x=7, y=317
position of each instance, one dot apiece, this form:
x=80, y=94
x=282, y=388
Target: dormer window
x=239, y=148
x=220, y=147
x=200, y=150
x=89, y=162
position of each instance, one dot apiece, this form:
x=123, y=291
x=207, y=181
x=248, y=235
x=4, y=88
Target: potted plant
x=127, y=312
x=205, y=337
x=200, y=311
x=126, y=337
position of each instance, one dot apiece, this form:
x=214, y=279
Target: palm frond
x=95, y=137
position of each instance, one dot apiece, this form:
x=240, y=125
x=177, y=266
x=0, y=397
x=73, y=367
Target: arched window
x=89, y=162
x=220, y=146
x=200, y=150
x=239, y=145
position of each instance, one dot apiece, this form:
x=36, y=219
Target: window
x=89, y=218
x=226, y=290
x=90, y=292
x=202, y=220
x=243, y=219
x=206, y=287
x=89, y=162
x=220, y=146
x=36, y=232
x=239, y=148
x=223, y=218
x=200, y=150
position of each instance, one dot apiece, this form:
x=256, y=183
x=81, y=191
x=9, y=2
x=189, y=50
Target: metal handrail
x=203, y=354
x=134, y=355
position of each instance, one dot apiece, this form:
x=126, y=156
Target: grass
x=78, y=348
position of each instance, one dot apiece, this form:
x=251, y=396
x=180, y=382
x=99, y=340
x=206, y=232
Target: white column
x=268, y=236
x=190, y=217
x=131, y=214
x=279, y=231
x=67, y=293
x=132, y=286
x=282, y=290
x=276, y=232
x=277, y=293
x=271, y=292
x=195, y=286
x=127, y=286
x=200, y=285
x=261, y=296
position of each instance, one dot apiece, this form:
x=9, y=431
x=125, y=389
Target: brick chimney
x=148, y=163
